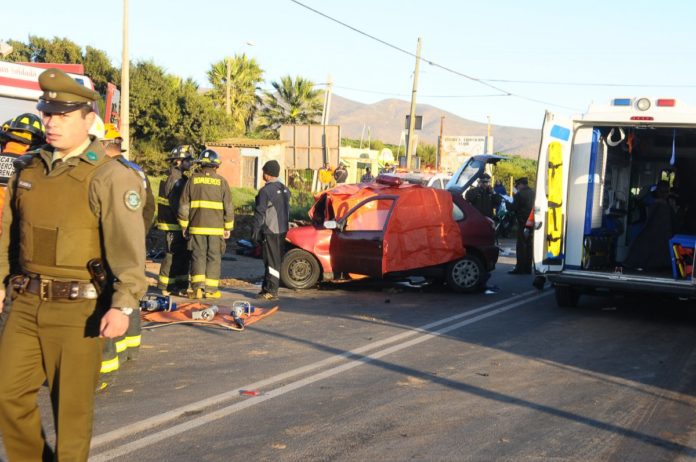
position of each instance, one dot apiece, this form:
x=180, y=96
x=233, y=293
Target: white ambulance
x=615, y=207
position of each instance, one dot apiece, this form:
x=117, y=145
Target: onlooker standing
x=367, y=177
x=206, y=216
x=326, y=177
x=341, y=173
x=522, y=204
x=271, y=217
x=499, y=188
x=482, y=196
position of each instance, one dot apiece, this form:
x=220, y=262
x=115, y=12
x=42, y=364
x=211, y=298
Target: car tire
x=299, y=270
x=566, y=297
x=466, y=275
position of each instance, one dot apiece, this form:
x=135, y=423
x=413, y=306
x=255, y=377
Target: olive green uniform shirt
x=120, y=221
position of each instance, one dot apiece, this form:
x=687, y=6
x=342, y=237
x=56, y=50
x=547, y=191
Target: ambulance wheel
x=299, y=270
x=566, y=297
x=466, y=275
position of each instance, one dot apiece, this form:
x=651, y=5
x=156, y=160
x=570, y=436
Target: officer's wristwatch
x=126, y=310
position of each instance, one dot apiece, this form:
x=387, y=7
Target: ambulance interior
x=640, y=213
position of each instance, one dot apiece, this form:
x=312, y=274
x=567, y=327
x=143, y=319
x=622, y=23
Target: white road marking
x=168, y=432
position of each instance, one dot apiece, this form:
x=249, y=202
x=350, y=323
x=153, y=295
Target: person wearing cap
x=206, y=216
x=341, y=173
x=174, y=270
x=77, y=273
x=482, y=196
x=271, y=221
x=522, y=204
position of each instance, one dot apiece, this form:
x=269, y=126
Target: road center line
x=231, y=409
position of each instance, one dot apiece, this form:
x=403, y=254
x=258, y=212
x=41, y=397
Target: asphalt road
x=370, y=371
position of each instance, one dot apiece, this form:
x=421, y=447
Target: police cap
x=61, y=93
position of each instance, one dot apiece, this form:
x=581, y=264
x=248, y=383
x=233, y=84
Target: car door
x=472, y=169
x=551, y=193
x=357, y=245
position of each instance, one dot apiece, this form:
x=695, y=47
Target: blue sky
x=619, y=42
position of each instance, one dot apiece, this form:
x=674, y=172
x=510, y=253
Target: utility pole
x=125, y=85
x=325, y=118
x=228, y=84
x=412, y=118
x=488, y=137
x=438, y=157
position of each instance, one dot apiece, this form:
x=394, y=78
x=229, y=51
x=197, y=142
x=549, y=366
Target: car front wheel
x=466, y=274
x=299, y=270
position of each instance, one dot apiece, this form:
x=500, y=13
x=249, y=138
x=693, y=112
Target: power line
x=432, y=63
x=384, y=93
x=486, y=82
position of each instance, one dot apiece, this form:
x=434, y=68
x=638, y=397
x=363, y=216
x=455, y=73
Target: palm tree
x=294, y=102
x=245, y=76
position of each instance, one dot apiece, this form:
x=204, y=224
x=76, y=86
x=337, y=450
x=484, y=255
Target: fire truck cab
x=615, y=207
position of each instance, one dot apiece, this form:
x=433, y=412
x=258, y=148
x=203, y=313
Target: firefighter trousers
x=206, y=260
x=175, y=265
x=58, y=342
x=273, y=245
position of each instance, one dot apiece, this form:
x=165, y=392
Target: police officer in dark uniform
x=174, y=271
x=206, y=216
x=482, y=196
x=271, y=217
x=75, y=224
x=522, y=204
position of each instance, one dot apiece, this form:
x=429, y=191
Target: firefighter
x=174, y=272
x=206, y=216
x=271, y=217
x=116, y=351
x=18, y=136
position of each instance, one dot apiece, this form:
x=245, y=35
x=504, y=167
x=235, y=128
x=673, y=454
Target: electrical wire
x=384, y=93
x=486, y=82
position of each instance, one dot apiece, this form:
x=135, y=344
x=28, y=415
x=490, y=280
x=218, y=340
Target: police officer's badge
x=91, y=156
x=132, y=199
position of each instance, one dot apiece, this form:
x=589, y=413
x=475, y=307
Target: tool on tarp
x=206, y=314
x=157, y=302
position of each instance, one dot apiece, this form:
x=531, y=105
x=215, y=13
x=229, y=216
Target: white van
x=615, y=207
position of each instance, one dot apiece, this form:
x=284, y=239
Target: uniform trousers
x=57, y=342
x=206, y=260
x=523, y=250
x=175, y=265
x=273, y=246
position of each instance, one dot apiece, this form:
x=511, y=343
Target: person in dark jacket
x=483, y=198
x=522, y=204
x=341, y=173
x=206, y=216
x=174, y=271
x=271, y=217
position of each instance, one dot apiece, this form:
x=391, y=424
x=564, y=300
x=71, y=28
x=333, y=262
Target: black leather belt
x=50, y=289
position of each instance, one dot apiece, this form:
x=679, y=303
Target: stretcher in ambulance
x=615, y=207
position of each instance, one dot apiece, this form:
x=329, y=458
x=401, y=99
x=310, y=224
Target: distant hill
x=386, y=120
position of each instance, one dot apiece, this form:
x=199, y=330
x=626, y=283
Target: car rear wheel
x=299, y=270
x=466, y=275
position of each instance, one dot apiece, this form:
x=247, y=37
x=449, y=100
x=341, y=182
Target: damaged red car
x=389, y=229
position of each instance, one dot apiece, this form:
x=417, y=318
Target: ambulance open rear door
x=551, y=193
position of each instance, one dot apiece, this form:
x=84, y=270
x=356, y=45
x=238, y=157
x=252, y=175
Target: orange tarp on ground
x=421, y=231
x=183, y=315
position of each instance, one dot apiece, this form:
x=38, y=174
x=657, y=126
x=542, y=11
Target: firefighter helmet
x=182, y=152
x=25, y=128
x=209, y=158
x=111, y=132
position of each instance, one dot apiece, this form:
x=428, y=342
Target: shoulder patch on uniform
x=132, y=200
x=91, y=155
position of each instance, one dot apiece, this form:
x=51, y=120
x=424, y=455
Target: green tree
x=515, y=167
x=427, y=153
x=294, y=102
x=99, y=68
x=245, y=77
